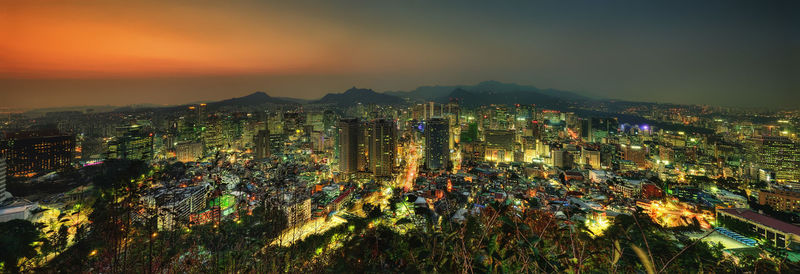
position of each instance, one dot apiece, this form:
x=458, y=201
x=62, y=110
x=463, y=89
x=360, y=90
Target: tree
x=16, y=241
x=61, y=238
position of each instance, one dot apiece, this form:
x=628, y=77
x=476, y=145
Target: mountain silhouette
x=495, y=87
x=355, y=95
x=254, y=99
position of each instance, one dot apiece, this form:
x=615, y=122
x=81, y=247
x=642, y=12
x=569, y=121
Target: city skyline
x=351, y=136
x=118, y=53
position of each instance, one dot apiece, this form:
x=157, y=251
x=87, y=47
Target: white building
x=21, y=209
x=4, y=195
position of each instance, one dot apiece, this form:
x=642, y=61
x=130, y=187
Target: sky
x=68, y=53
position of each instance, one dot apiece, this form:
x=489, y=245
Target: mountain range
x=256, y=98
x=355, y=96
x=488, y=92
x=486, y=87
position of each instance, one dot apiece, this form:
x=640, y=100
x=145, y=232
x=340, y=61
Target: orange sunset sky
x=84, y=52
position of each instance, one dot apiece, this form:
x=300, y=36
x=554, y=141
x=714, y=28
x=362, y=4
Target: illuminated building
x=635, y=154
x=628, y=188
x=328, y=121
x=348, y=145
x=687, y=193
x=499, y=145
x=364, y=142
x=779, y=234
x=561, y=158
x=598, y=176
x=651, y=191
x=35, y=152
x=382, y=147
x=590, y=157
x=781, y=155
x=219, y=207
x=297, y=209
x=557, y=157
x=174, y=206
x=780, y=200
x=262, y=144
x=277, y=143
x=529, y=148
x=188, y=151
x=437, y=141
x=132, y=143
x=585, y=129
x=213, y=136
x=3, y=193
x=292, y=122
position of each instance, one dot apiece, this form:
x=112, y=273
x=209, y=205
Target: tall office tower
x=781, y=155
x=4, y=195
x=585, y=132
x=437, y=136
x=213, y=134
x=29, y=153
x=201, y=113
x=348, y=145
x=430, y=112
x=382, y=147
x=261, y=141
x=132, y=143
x=364, y=138
x=557, y=156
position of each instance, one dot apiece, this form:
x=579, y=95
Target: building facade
x=262, y=144
x=132, y=143
x=437, y=142
x=348, y=145
x=780, y=200
x=4, y=195
x=31, y=153
x=382, y=148
x=749, y=223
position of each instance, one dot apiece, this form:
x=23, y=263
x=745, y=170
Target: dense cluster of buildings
x=311, y=161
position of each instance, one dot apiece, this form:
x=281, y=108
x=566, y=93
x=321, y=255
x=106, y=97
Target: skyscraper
x=364, y=142
x=382, y=147
x=437, y=142
x=348, y=145
x=261, y=141
x=132, y=143
x=3, y=193
x=781, y=155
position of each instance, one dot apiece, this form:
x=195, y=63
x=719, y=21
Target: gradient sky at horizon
x=67, y=53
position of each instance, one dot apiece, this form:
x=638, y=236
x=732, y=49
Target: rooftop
x=763, y=220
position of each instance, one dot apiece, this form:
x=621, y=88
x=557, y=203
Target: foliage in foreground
x=500, y=239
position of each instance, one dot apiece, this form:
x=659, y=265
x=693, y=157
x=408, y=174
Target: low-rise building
x=780, y=200
x=750, y=223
